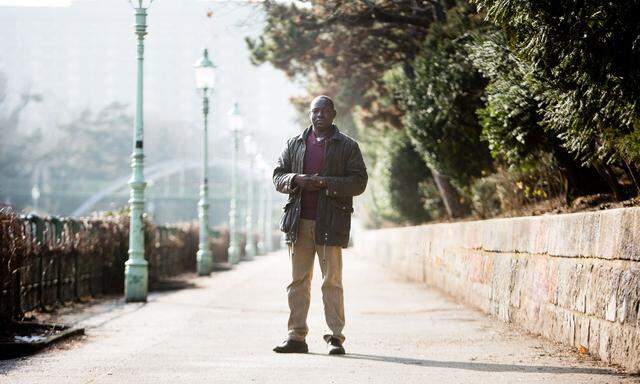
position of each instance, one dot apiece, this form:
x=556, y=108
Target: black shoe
x=292, y=346
x=334, y=345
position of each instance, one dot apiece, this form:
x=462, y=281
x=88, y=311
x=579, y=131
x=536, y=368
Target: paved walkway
x=222, y=331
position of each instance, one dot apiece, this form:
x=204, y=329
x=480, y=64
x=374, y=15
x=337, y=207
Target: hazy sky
x=66, y=3
x=89, y=61
x=80, y=55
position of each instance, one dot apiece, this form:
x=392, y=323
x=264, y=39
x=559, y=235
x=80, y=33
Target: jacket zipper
x=322, y=172
x=299, y=197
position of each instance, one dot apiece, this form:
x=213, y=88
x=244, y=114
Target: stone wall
x=573, y=278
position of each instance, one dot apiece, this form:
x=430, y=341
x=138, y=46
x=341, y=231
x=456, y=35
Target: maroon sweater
x=313, y=162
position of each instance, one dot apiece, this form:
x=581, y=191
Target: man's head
x=322, y=113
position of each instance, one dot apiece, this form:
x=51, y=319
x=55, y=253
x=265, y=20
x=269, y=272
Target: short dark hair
x=326, y=98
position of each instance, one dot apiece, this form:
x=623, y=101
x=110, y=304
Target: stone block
x=567, y=326
x=627, y=246
x=518, y=269
x=628, y=300
x=571, y=278
x=582, y=332
x=566, y=283
x=622, y=340
x=582, y=287
x=604, y=343
x=607, y=242
x=587, y=245
x=594, y=335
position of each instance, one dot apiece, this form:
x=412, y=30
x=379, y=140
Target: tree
x=512, y=117
x=97, y=145
x=346, y=47
x=439, y=100
x=587, y=53
x=14, y=151
x=408, y=193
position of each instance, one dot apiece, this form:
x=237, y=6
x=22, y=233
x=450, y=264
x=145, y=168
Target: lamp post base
x=234, y=254
x=136, y=280
x=204, y=262
x=249, y=252
x=218, y=267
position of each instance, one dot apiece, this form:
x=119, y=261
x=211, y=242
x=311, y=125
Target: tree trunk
x=449, y=194
x=579, y=180
x=439, y=12
x=607, y=174
x=632, y=172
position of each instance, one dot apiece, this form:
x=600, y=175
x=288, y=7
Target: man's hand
x=310, y=182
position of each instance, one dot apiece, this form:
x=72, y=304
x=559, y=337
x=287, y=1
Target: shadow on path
x=480, y=367
x=7, y=365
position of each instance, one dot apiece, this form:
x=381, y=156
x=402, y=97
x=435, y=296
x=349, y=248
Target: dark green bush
x=440, y=98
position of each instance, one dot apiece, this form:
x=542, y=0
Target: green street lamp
x=35, y=197
x=251, y=150
x=235, y=123
x=261, y=206
x=136, y=267
x=205, y=79
x=268, y=217
x=266, y=243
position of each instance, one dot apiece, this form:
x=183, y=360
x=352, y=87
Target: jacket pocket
x=340, y=217
x=286, y=220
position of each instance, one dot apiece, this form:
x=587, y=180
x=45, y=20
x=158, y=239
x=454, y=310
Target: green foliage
x=431, y=200
x=509, y=189
x=484, y=196
x=517, y=103
x=440, y=98
x=510, y=120
x=629, y=147
x=405, y=177
x=587, y=53
x=341, y=48
x=401, y=189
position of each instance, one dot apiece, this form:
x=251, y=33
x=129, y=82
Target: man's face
x=321, y=113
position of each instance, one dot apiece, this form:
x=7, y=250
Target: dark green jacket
x=346, y=177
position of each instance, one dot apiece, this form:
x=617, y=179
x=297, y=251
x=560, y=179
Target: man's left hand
x=319, y=181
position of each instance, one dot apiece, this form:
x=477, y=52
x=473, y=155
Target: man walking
x=321, y=170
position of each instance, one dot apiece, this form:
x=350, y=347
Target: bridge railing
x=46, y=262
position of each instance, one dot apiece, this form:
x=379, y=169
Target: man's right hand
x=309, y=182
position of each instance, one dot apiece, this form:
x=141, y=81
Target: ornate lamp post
x=268, y=226
x=35, y=197
x=250, y=149
x=136, y=267
x=235, y=123
x=205, y=79
x=261, y=206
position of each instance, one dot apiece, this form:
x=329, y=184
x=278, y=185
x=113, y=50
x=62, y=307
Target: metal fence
x=49, y=262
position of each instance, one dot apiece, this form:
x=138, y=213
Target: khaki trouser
x=302, y=255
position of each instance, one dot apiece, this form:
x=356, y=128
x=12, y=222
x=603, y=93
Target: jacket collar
x=335, y=136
